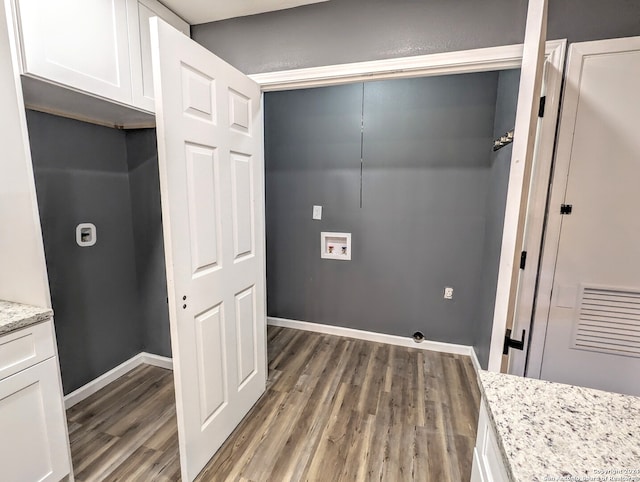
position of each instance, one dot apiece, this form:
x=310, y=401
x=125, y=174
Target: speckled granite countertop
x=16, y=315
x=550, y=431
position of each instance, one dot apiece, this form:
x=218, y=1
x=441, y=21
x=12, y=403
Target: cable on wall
x=361, y=143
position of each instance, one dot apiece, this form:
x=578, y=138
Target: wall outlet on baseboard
x=448, y=293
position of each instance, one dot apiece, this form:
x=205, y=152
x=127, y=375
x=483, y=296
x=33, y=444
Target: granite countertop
x=16, y=315
x=550, y=431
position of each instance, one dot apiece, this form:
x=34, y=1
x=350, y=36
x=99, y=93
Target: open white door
x=210, y=154
x=537, y=204
x=519, y=176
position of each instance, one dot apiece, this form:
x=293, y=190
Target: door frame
x=459, y=62
x=560, y=178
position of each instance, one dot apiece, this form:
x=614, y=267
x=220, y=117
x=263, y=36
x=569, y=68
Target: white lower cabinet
x=33, y=435
x=488, y=465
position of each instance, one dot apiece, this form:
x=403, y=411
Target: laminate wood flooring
x=335, y=409
x=127, y=430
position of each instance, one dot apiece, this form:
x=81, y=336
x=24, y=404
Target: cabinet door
x=33, y=441
x=488, y=464
x=26, y=347
x=140, y=11
x=78, y=43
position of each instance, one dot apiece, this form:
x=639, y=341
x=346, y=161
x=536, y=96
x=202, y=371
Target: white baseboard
x=474, y=360
x=125, y=367
x=156, y=360
x=476, y=366
x=372, y=336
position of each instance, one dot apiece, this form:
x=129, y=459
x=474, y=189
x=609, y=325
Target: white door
x=593, y=332
x=519, y=177
x=537, y=204
x=210, y=154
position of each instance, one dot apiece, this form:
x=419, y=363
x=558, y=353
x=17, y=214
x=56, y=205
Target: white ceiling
x=202, y=11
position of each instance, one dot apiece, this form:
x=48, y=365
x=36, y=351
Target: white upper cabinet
x=70, y=48
x=140, y=11
x=81, y=44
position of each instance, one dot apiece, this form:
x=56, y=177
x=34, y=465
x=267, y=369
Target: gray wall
x=506, y=103
x=81, y=176
x=427, y=152
x=109, y=300
x=144, y=186
x=341, y=31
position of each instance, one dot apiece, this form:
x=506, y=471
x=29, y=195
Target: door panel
x=204, y=215
x=210, y=154
x=242, y=204
x=210, y=339
x=593, y=331
x=246, y=326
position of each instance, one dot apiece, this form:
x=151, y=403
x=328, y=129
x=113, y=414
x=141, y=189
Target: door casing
x=467, y=61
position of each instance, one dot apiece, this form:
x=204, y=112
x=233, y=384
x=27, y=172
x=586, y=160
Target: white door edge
x=540, y=185
x=519, y=177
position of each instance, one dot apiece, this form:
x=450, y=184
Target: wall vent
x=608, y=321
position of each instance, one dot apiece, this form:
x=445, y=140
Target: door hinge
x=510, y=343
x=566, y=208
x=523, y=259
x=543, y=101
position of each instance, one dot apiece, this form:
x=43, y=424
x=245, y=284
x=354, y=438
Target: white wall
x=23, y=272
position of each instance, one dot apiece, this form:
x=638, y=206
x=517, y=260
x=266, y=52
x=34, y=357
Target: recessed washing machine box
x=335, y=246
x=86, y=234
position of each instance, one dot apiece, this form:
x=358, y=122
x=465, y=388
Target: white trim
x=156, y=360
x=103, y=380
x=494, y=58
x=474, y=361
x=462, y=61
x=372, y=336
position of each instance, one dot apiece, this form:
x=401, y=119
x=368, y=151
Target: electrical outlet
x=448, y=293
x=317, y=212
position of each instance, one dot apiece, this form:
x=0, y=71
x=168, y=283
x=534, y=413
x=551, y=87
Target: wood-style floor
x=335, y=409
x=127, y=430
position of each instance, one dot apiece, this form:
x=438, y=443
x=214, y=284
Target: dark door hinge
x=543, y=101
x=566, y=208
x=523, y=259
x=510, y=343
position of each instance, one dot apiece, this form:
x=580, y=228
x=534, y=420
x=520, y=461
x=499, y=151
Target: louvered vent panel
x=608, y=321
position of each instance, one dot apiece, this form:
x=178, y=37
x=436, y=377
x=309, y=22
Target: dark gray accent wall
x=144, y=186
x=342, y=31
x=312, y=156
x=81, y=176
x=427, y=152
x=506, y=103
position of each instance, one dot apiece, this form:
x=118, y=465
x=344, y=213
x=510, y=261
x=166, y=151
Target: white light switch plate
x=317, y=212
